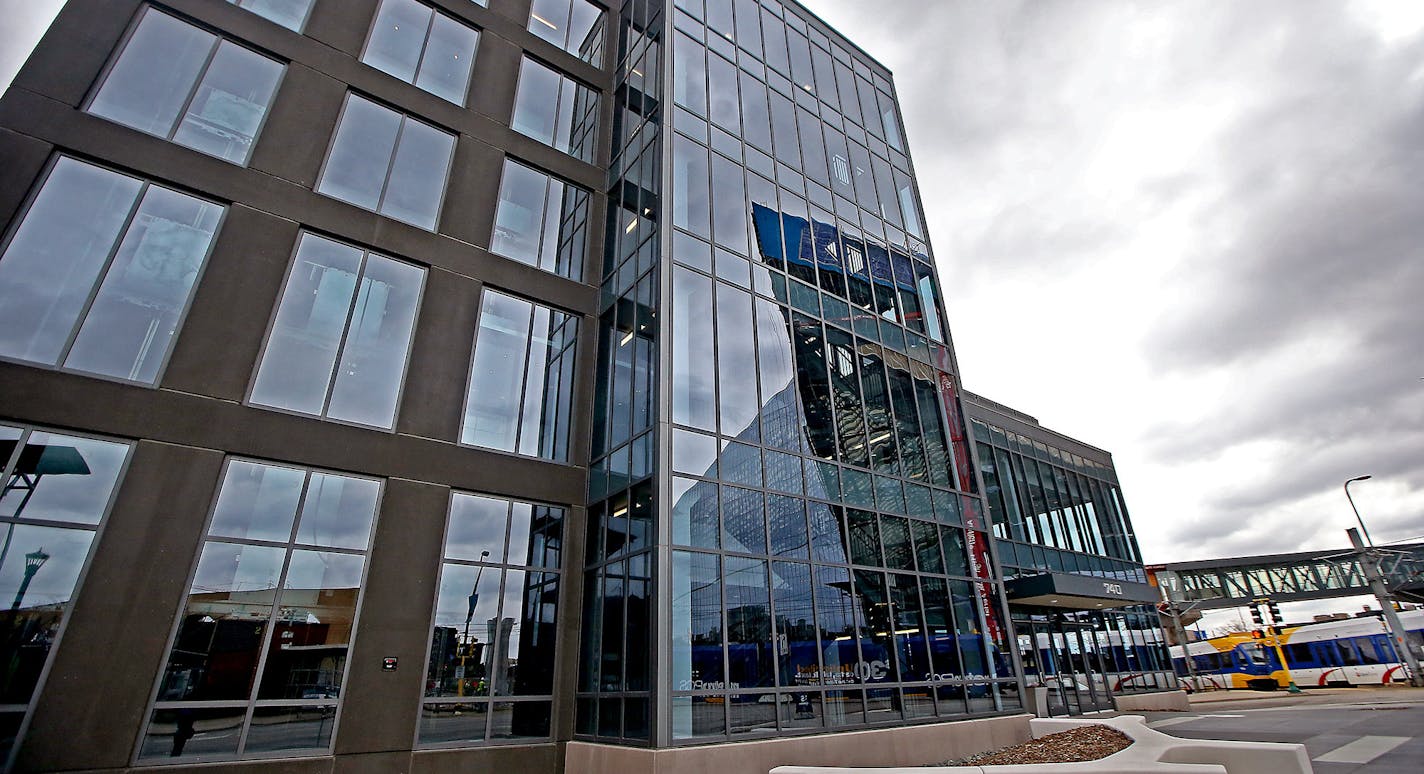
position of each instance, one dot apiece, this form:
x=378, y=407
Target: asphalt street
x=1371, y=731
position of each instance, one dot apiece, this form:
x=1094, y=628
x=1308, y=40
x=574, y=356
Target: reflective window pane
x=291, y=14
x=696, y=623
x=184, y=84
x=383, y=161
x=493, y=633
x=540, y=220
x=417, y=176
x=377, y=345
x=143, y=246
x=693, y=379
x=278, y=729
x=477, y=528
x=521, y=378
x=57, y=491
x=397, y=38
x=449, y=58
x=189, y=731
x=341, y=307
x=360, y=154
x=576, y=26
x=556, y=110
x=151, y=81
x=267, y=621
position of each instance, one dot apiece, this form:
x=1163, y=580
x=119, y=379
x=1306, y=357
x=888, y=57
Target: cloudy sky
x=1191, y=233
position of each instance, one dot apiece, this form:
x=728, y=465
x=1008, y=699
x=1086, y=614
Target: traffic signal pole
x=1274, y=630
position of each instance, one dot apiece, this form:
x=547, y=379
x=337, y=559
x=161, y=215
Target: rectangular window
x=491, y=668
x=556, y=110
x=99, y=273
x=58, y=489
x=387, y=162
x=576, y=26
x=259, y=658
x=188, y=85
x=521, y=378
x=412, y=42
x=291, y=14
x=340, y=342
x=540, y=220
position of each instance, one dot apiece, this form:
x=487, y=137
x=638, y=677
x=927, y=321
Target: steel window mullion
x=193, y=90
x=391, y=164
x=345, y=334
x=424, y=44
x=520, y=408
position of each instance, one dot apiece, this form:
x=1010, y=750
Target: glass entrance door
x=1066, y=658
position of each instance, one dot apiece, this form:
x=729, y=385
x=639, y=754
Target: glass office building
x=418, y=384
x=1083, y=614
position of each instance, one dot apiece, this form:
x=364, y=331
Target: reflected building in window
x=433, y=384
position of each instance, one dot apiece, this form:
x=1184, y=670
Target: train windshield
x=1257, y=654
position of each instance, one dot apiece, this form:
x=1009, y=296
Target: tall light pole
x=474, y=600
x=33, y=562
x=1370, y=564
x=1353, y=507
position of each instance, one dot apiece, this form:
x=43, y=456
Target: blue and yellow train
x=1355, y=651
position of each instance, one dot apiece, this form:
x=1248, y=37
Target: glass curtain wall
x=615, y=673
x=1054, y=510
x=830, y=564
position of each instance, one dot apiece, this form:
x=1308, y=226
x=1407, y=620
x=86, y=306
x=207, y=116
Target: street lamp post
x=470, y=614
x=1370, y=564
x=33, y=562
x=1353, y=507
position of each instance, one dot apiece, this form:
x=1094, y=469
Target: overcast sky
x=1191, y=233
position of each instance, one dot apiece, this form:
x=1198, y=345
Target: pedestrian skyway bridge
x=1234, y=582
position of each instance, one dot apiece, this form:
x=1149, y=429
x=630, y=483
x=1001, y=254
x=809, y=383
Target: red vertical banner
x=958, y=437
x=976, y=543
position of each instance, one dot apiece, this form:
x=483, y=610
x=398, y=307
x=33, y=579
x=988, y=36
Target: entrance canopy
x=1077, y=592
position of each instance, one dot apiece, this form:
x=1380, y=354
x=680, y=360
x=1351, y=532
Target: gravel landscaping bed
x=1088, y=743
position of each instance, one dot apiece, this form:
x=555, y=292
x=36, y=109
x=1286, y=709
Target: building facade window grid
x=887, y=498
x=214, y=102
x=362, y=351
x=541, y=220
x=438, y=59
x=556, y=110
x=410, y=185
x=228, y=727
x=615, y=696
x=712, y=339
x=575, y=26
x=1070, y=507
x=519, y=397
x=481, y=708
x=124, y=323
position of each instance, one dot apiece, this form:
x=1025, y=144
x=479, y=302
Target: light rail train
x=1355, y=651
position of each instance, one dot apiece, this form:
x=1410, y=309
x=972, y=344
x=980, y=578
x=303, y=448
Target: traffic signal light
x=1275, y=611
x=1257, y=634
x=1256, y=616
